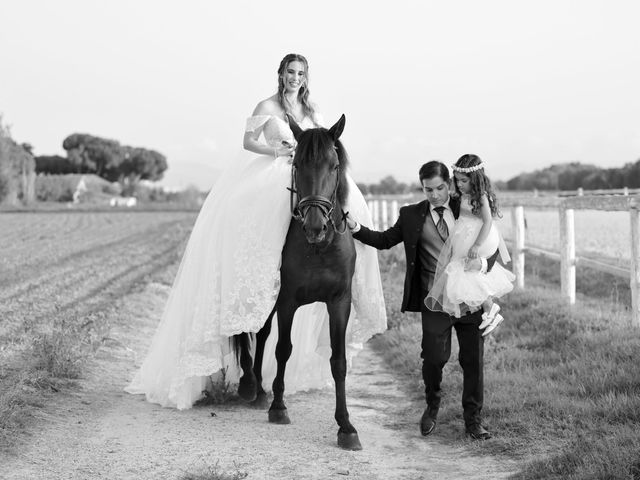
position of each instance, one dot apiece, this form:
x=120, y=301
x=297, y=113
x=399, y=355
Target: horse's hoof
x=280, y=417
x=247, y=388
x=261, y=402
x=349, y=441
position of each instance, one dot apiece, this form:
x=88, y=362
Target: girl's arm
x=251, y=142
x=487, y=221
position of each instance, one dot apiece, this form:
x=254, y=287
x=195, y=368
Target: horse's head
x=319, y=179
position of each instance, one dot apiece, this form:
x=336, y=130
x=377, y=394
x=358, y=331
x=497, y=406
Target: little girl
x=458, y=289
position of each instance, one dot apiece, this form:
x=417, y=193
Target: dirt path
x=101, y=432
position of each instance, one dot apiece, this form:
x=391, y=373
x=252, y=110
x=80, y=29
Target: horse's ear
x=337, y=129
x=295, y=128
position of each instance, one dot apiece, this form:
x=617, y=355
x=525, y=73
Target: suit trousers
x=436, y=350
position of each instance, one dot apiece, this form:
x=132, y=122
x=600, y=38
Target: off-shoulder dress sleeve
x=256, y=123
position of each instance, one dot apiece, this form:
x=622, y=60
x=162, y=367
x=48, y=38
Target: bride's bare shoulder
x=269, y=106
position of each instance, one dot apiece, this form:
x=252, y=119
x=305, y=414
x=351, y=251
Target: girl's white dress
x=455, y=291
x=228, y=281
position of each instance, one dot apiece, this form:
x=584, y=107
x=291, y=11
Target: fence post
x=567, y=255
x=385, y=215
x=517, y=218
x=394, y=211
x=375, y=214
x=635, y=263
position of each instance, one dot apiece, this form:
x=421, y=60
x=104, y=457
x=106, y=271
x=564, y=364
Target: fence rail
x=385, y=208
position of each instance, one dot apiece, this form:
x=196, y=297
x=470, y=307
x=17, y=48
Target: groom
x=423, y=228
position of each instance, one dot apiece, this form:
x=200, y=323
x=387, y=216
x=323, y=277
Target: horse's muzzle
x=314, y=231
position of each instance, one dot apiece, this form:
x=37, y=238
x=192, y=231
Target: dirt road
x=101, y=432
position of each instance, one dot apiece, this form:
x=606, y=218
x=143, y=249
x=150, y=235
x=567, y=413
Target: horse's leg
x=248, y=383
x=338, y=319
x=261, y=339
x=278, y=410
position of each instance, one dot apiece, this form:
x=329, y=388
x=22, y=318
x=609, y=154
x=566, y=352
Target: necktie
x=441, y=226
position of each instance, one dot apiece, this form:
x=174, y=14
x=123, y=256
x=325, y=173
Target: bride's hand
x=284, y=151
x=287, y=149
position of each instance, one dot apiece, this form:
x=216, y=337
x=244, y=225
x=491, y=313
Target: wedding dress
x=228, y=282
x=456, y=291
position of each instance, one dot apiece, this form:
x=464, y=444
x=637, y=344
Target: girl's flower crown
x=475, y=168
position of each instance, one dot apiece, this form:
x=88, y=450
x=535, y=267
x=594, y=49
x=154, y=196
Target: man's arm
x=491, y=261
x=380, y=240
x=480, y=264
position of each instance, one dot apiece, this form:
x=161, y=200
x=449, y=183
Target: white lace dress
x=228, y=282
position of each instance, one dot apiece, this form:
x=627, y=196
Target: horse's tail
x=240, y=342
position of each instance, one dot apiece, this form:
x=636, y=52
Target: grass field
x=562, y=385
x=599, y=234
x=60, y=273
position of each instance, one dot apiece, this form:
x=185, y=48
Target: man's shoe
x=428, y=421
x=478, y=432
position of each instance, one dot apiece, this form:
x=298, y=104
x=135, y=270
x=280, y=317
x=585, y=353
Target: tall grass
x=52, y=360
x=562, y=386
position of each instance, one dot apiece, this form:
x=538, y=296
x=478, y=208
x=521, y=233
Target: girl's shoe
x=496, y=321
x=487, y=318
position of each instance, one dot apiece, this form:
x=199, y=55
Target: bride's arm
x=251, y=142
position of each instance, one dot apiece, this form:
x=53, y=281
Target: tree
x=140, y=164
x=17, y=170
x=94, y=155
x=55, y=165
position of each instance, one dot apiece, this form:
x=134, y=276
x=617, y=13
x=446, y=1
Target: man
x=423, y=228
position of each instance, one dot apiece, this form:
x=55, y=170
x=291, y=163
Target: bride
x=228, y=280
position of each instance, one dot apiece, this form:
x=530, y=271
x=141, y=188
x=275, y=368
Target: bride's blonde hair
x=303, y=93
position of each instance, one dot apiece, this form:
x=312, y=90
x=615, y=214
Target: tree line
x=566, y=176
x=571, y=176
x=105, y=158
x=86, y=154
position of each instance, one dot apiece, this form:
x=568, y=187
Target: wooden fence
x=384, y=211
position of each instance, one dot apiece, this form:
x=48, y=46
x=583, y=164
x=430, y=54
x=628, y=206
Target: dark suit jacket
x=408, y=229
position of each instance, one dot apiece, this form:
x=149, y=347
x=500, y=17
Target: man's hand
x=351, y=223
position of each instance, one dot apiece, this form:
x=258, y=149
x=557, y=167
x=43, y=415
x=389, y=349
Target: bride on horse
x=229, y=277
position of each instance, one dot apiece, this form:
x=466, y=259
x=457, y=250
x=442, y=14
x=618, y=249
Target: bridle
x=324, y=204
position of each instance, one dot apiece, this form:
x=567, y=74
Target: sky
x=522, y=84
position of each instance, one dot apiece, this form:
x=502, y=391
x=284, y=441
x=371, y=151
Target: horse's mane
x=313, y=146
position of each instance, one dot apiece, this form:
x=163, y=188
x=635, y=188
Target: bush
x=55, y=188
x=61, y=188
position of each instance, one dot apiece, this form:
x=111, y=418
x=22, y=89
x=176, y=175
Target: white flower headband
x=475, y=168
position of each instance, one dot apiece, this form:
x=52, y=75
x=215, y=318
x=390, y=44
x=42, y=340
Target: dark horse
x=318, y=261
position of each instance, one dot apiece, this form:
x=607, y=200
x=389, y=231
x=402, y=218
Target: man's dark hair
x=434, y=169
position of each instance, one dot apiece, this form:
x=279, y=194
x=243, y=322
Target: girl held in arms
x=457, y=290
